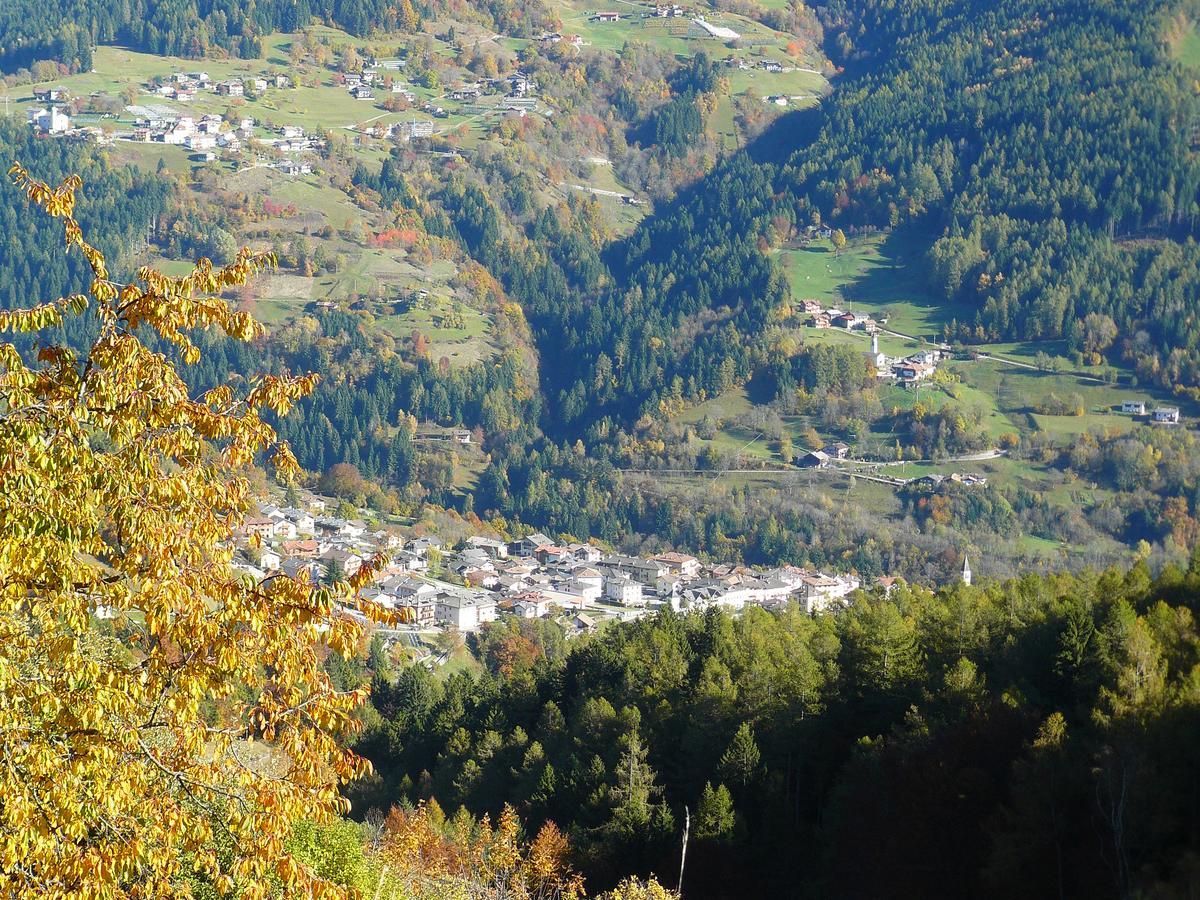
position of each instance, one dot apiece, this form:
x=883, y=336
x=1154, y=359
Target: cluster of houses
x=550, y=38
x=1161, y=415
x=742, y=64
x=519, y=87
x=182, y=87
x=531, y=577
x=202, y=135
x=907, y=371
x=698, y=27
x=832, y=317
x=206, y=135
x=370, y=81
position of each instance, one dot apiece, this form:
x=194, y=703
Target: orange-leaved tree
x=154, y=704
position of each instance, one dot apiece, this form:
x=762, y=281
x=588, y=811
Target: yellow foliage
x=436, y=859
x=152, y=702
x=636, y=889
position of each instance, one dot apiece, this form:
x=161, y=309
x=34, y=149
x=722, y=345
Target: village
x=433, y=586
x=289, y=147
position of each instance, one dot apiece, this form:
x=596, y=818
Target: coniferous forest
x=1026, y=738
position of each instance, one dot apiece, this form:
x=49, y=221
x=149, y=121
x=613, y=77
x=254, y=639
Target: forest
x=951, y=131
x=1024, y=738
x=67, y=32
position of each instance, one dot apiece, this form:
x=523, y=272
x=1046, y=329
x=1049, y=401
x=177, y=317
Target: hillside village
x=287, y=147
x=433, y=585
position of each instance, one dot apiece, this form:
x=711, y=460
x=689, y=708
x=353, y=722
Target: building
x=529, y=544
x=464, y=611
x=966, y=570
x=707, y=31
x=231, y=89
x=494, y=548
x=1134, y=407
x=844, y=320
x=200, y=142
x=606, y=17
x=836, y=450
x=1166, y=415
x=818, y=591
x=909, y=373
x=814, y=459
x=50, y=121
x=620, y=588
x=679, y=563
x=362, y=92
x=49, y=95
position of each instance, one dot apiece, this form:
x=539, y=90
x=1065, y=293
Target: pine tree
x=714, y=814
x=739, y=763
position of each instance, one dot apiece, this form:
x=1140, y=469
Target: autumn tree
x=122, y=623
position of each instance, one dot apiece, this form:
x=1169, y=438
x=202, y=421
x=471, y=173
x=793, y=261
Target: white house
x=1166, y=415
x=1134, y=407
x=466, y=612
x=620, y=588
x=284, y=530
x=200, y=142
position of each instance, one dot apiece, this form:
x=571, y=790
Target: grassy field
x=313, y=102
x=1186, y=48
x=870, y=274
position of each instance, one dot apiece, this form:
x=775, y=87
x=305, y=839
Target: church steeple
x=966, y=570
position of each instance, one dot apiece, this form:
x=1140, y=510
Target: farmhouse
x=1166, y=415
x=814, y=459
x=1134, y=407
x=230, y=89
x=845, y=320
x=909, y=373
x=606, y=17
x=836, y=450
x=362, y=92
x=49, y=95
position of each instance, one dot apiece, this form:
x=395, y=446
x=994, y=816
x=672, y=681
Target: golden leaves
x=124, y=748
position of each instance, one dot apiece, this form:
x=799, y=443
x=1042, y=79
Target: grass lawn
x=870, y=274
